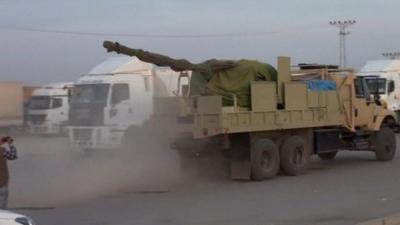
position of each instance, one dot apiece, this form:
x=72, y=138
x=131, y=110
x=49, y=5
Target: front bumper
x=45, y=128
x=95, y=137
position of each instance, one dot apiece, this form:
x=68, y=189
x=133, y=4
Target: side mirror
x=69, y=95
x=183, y=89
x=390, y=87
x=377, y=99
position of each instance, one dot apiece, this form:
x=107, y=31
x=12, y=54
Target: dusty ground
x=56, y=185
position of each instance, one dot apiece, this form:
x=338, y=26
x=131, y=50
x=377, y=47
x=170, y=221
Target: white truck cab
x=383, y=79
x=13, y=218
x=113, y=97
x=48, y=108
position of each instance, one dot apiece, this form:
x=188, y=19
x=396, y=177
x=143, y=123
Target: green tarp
x=234, y=81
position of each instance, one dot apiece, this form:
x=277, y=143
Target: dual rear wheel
x=266, y=158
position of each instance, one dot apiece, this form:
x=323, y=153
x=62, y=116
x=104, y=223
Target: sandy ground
x=56, y=185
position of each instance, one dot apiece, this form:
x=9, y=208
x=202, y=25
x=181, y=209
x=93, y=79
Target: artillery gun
x=275, y=119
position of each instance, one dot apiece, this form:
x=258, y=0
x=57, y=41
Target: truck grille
x=37, y=118
x=86, y=115
x=82, y=134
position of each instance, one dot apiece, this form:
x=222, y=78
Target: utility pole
x=342, y=25
x=391, y=55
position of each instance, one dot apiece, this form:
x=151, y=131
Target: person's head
x=6, y=139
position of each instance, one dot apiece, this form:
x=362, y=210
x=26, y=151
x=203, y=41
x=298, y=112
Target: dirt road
x=351, y=189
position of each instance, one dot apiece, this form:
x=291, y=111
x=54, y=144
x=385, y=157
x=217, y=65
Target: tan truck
x=286, y=122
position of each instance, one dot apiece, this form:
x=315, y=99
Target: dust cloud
x=50, y=174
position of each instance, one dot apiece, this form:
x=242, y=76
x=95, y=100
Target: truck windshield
x=90, y=93
x=376, y=85
x=40, y=102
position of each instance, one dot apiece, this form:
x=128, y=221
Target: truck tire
x=63, y=130
x=189, y=164
x=327, y=156
x=264, y=159
x=385, y=144
x=294, y=156
x=133, y=138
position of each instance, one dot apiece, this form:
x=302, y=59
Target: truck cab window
x=57, y=103
x=376, y=86
x=119, y=93
x=359, y=88
x=39, y=102
x=90, y=93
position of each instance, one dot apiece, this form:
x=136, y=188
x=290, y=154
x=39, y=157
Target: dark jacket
x=4, y=175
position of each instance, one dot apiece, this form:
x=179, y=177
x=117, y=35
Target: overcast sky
x=261, y=30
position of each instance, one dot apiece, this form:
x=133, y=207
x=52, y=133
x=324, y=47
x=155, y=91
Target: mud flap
x=240, y=165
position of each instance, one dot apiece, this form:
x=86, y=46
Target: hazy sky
x=262, y=30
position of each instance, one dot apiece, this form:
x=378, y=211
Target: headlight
x=24, y=221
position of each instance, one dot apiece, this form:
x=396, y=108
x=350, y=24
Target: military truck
x=271, y=122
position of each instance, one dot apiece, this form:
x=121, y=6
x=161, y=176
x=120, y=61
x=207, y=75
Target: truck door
x=120, y=104
x=377, y=87
x=393, y=92
x=364, y=105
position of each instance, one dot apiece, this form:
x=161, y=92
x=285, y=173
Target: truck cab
x=104, y=106
x=383, y=78
x=113, y=99
x=48, y=109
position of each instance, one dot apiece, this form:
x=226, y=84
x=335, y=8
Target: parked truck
x=27, y=95
x=115, y=99
x=275, y=121
x=383, y=79
x=48, y=109
x=11, y=105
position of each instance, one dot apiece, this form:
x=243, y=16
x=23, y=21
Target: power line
x=139, y=35
x=144, y=35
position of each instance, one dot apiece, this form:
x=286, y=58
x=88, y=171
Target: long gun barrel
x=210, y=66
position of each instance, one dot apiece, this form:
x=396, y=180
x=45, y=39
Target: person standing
x=9, y=152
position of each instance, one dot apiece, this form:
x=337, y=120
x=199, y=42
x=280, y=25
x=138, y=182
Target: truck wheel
x=327, y=156
x=385, y=144
x=88, y=152
x=189, y=164
x=133, y=138
x=63, y=130
x=295, y=157
x=264, y=159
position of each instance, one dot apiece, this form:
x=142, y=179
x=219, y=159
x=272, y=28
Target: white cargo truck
x=48, y=109
x=383, y=79
x=115, y=98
